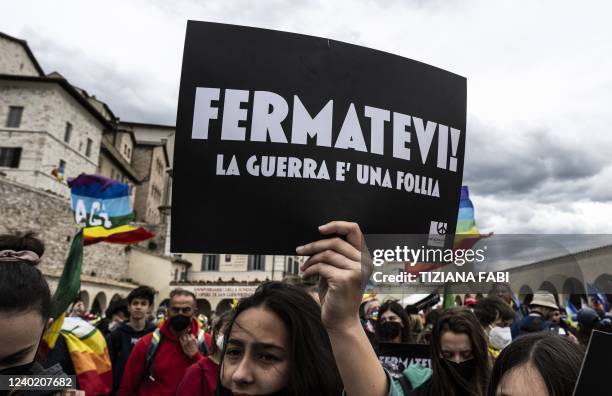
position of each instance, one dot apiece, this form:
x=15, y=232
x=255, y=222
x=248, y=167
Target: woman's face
x=257, y=357
x=390, y=316
x=20, y=334
x=455, y=347
x=524, y=380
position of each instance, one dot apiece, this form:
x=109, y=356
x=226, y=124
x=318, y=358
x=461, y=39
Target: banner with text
x=397, y=357
x=278, y=133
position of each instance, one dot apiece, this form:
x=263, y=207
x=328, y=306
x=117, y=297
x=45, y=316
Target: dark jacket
x=533, y=324
x=120, y=343
x=60, y=355
x=37, y=369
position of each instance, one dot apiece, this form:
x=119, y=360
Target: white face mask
x=219, y=341
x=500, y=337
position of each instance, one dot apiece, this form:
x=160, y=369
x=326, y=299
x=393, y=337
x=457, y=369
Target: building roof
x=163, y=140
x=118, y=159
x=554, y=260
x=145, y=125
x=26, y=47
x=62, y=82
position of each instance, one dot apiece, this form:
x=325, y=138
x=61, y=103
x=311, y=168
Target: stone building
x=105, y=266
x=45, y=123
x=567, y=276
x=151, y=163
x=17, y=58
x=217, y=279
x=116, y=153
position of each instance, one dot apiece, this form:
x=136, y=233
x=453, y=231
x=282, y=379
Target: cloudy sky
x=539, y=81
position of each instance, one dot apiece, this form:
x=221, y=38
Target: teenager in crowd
x=394, y=324
x=540, y=364
x=121, y=340
x=25, y=305
x=279, y=340
x=495, y=317
x=201, y=377
x=459, y=358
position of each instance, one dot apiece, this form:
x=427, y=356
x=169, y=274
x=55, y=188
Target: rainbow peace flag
x=466, y=233
x=103, y=205
x=89, y=355
x=466, y=223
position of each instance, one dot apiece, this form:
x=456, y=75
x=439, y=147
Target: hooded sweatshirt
x=120, y=342
x=167, y=369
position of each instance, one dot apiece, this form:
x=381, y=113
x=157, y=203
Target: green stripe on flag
x=69, y=284
x=121, y=220
x=449, y=298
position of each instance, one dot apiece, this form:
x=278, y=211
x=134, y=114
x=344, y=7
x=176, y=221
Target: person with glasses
x=159, y=359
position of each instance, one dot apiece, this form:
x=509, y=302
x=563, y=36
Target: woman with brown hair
x=460, y=362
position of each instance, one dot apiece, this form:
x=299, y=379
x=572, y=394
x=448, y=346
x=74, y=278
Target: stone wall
x=141, y=162
x=125, y=146
x=48, y=107
x=26, y=209
x=156, y=191
x=14, y=59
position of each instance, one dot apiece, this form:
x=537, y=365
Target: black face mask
x=461, y=373
x=389, y=330
x=22, y=369
x=180, y=322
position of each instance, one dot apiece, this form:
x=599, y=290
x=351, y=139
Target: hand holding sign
x=338, y=263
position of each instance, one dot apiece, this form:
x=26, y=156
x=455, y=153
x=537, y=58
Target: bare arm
x=338, y=263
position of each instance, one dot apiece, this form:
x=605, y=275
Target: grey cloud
x=271, y=13
x=129, y=94
x=500, y=162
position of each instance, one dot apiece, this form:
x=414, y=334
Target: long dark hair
x=397, y=309
x=312, y=368
x=556, y=358
x=460, y=321
x=222, y=320
x=22, y=286
x=491, y=308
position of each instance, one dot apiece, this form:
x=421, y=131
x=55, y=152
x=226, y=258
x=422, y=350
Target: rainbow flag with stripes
x=89, y=355
x=466, y=233
x=103, y=205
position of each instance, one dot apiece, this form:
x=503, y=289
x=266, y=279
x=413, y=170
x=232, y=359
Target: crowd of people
x=291, y=340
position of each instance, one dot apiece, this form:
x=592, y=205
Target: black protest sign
x=278, y=133
x=595, y=371
x=397, y=357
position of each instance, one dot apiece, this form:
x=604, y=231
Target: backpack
x=156, y=339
